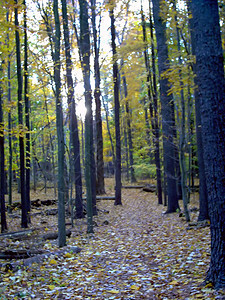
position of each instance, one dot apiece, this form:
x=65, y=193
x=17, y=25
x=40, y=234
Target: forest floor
x=136, y=252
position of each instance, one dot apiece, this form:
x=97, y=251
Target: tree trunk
x=167, y=110
x=211, y=87
x=156, y=117
x=9, y=124
x=74, y=137
x=100, y=184
x=203, y=196
x=27, y=114
x=118, y=200
x=2, y=164
x=85, y=53
x=60, y=132
x=24, y=220
x=182, y=141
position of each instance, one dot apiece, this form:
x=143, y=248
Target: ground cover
x=137, y=252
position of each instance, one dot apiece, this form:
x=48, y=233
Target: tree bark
x=211, y=88
x=156, y=115
x=9, y=123
x=203, y=196
x=2, y=164
x=168, y=121
x=27, y=114
x=100, y=184
x=24, y=219
x=60, y=132
x=118, y=200
x=74, y=137
x=85, y=63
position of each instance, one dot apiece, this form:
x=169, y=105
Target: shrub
x=144, y=171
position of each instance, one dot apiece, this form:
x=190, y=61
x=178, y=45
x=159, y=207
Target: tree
x=2, y=162
x=85, y=63
x=167, y=104
x=118, y=200
x=60, y=131
x=156, y=114
x=24, y=220
x=27, y=113
x=74, y=137
x=100, y=185
x=211, y=87
x=182, y=140
x=203, y=197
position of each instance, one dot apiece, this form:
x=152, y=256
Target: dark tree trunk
x=60, y=132
x=167, y=110
x=27, y=114
x=182, y=141
x=100, y=184
x=85, y=53
x=107, y=123
x=211, y=88
x=74, y=137
x=156, y=117
x=149, y=84
x=2, y=164
x=9, y=125
x=24, y=220
x=129, y=132
x=118, y=200
x=203, y=197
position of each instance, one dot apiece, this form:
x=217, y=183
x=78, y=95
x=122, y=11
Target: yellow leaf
x=209, y=285
x=199, y=296
x=114, y=291
x=135, y=287
x=53, y=262
x=51, y=287
x=68, y=255
x=174, y=282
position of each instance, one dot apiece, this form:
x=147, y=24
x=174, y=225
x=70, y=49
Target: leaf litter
x=139, y=253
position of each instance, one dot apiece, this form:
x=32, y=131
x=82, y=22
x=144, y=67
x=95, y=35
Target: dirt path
x=140, y=254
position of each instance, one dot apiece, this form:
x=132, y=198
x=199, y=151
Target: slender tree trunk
x=2, y=164
x=9, y=124
x=51, y=144
x=27, y=115
x=100, y=184
x=130, y=141
x=156, y=115
x=211, y=87
x=149, y=101
x=85, y=53
x=182, y=133
x=167, y=110
x=108, y=127
x=118, y=200
x=24, y=220
x=74, y=137
x=60, y=132
x=34, y=164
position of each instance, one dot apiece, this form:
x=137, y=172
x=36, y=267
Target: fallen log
x=34, y=203
x=16, y=234
x=151, y=188
x=14, y=266
x=133, y=186
x=19, y=253
x=102, y=198
x=54, y=235
x=51, y=212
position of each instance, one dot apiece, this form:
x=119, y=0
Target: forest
x=112, y=149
